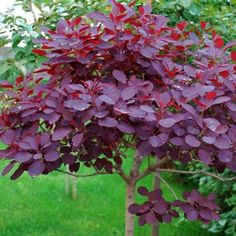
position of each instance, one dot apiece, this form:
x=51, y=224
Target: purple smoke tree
x=126, y=80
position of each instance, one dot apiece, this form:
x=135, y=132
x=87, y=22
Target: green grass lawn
x=39, y=207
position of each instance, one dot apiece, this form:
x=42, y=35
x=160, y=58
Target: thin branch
x=168, y=186
x=197, y=172
x=86, y=175
x=134, y=172
x=32, y=11
x=121, y=173
x=153, y=167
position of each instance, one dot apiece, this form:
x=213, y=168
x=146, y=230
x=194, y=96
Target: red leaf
x=39, y=52
x=210, y=95
x=76, y=21
x=141, y=10
x=19, y=79
x=224, y=74
x=5, y=84
x=203, y=25
x=182, y=25
x=219, y=42
x=233, y=55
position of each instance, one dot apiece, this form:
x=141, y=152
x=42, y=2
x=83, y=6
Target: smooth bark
x=129, y=219
x=156, y=184
x=74, y=187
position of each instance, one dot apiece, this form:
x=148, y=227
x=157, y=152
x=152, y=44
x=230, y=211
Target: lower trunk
x=67, y=184
x=156, y=184
x=129, y=219
x=74, y=187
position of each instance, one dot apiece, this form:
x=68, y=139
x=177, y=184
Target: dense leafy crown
x=119, y=80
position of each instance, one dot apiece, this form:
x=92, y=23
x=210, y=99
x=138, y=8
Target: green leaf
x=4, y=68
x=16, y=39
x=194, y=9
x=3, y=146
x=186, y=3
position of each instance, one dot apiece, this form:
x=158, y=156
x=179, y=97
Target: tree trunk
x=156, y=184
x=74, y=187
x=129, y=219
x=67, y=184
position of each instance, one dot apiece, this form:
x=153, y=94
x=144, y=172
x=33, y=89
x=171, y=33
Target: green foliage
x=226, y=199
x=221, y=14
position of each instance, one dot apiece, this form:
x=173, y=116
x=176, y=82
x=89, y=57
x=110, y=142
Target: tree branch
x=168, y=186
x=32, y=11
x=134, y=172
x=121, y=173
x=85, y=175
x=197, y=172
x=153, y=167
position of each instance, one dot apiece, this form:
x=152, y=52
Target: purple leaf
x=108, y=122
x=211, y=123
x=167, y=123
x=144, y=148
x=107, y=99
x=52, y=156
x=142, y=220
x=232, y=106
x=232, y=165
x=222, y=129
x=61, y=133
x=8, y=137
x=101, y=114
x=19, y=171
x=222, y=143
x=188, y=108
x=159, y=140
x=54, y=118
x=125, y=127
x=128, y=93
x=192, y=141
x=98, y=16
x=68, y=159
x=192, y=215
x=143, y=191
x=209, y=140
x=150, y=218
x=36, y=168
x=177, y=141
x=147, y=51
x=155, y=195
x=225, y=156
x=147, y=108
x=77, y=139
x=51, y=103
x=223, y=99
x=167, y=218
x=8, y=168
x=158, y=68
x=78, y=105
x=154, y=141
x=120, y=76
x=204, y=156
x=23, y=156
x=160, y=207
x=205, y=214
x=134, y=209
x=135, y=111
